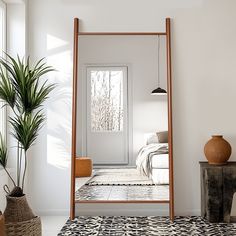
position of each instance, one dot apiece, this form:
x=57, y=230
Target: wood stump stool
x=218, y=185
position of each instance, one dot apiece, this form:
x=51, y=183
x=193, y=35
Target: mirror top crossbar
x=120, y=33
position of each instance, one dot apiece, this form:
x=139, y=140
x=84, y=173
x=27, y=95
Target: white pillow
x=158, y=137
x=152, y=138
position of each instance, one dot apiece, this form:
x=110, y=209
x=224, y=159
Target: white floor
x=52, y=224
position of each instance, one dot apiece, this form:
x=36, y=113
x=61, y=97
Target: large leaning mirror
x=122, y=119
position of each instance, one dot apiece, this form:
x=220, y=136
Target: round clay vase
x=217, y=150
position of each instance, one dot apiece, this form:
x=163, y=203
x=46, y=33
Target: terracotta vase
x=217, y=150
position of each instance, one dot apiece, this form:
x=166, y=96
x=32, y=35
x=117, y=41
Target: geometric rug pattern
x=145, y=226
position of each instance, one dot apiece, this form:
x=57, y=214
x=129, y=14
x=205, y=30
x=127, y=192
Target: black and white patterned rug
x=145, y=226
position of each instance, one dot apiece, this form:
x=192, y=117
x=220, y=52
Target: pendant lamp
x=158, y=90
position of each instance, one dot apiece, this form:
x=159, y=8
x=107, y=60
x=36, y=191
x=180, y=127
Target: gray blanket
x=144, y=159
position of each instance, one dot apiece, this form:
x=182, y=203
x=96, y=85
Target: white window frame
x=3, y=110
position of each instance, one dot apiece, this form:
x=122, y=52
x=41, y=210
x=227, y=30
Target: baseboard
x=119, y=210
x=122, y=209
x=190, y=212
x=53, y=212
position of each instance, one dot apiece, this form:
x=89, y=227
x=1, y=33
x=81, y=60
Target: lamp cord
x=158, y=61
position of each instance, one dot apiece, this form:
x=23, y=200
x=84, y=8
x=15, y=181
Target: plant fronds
x=4, y=157
x=26, y=127
x=22, y=89
x=3, y=152
x=7, y=91
x=26, y=82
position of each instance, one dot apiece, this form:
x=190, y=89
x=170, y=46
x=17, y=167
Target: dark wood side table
x=218, y=185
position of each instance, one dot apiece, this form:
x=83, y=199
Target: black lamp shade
x=159, y=91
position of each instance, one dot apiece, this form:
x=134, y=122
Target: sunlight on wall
x=59, y=108
x=54, y=42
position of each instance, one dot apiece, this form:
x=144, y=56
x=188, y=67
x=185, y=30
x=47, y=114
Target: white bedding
x=160, y=176
x=153, y=162
x=160, y=161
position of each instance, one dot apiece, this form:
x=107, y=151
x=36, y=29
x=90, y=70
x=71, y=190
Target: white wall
x=147, y=113
x=204, y=70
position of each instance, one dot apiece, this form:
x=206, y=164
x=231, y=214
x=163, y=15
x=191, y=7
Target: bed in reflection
x=153, y=158
x=147, y=181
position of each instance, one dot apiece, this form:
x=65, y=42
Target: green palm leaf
x=21, y=88
x=26, y=83
x=7, y=92
x=3, y=152
x=4, y=157
x=26, y=127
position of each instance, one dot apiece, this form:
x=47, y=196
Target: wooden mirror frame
x=77, y=33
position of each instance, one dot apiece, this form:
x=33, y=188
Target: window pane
x=106, y=100
x=1, y=31
x=2, y=28
x=2, y=50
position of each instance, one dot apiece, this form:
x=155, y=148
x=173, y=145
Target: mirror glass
x=122, y=129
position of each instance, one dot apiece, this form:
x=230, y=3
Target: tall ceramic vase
x=217, y=150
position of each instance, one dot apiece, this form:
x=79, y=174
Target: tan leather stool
x=83, y=167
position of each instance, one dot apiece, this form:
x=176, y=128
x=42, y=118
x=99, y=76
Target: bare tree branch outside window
x=106, y=100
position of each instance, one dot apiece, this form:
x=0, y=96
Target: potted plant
x=24, y=93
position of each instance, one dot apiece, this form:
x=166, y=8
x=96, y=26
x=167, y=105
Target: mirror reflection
x=122, y=128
